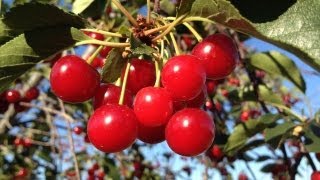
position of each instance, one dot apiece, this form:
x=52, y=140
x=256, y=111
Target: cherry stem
x=94, y=55
x=154, y=30
x=103, y=43
x=158, y=73
x=170, y=27
x=175, y=44
x=148, y=11
x=104, y=32
x=193, y=31
x=125, y=12
x=196, y=18
x=124, y=84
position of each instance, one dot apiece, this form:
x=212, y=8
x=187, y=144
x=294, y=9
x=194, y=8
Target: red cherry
x=27, y=142
x=100, y=175
x=242, y=176
x=190, y=132
x=94, y=35
x=31, y=94
x=18, y=141
x=112, y=128
x=151, y=135
x=78, y=130
x=234, y=82
x=225, y=93
x=91, y=172
x=153, y=106
x=13, y=96
x=245, y=115
x=315, y=175
x=95, y=166
x=73, y=80
x=216, y=153
x=183, y=77
x=105, y=51
x=23, y=172
x=198, y=101
x=97, y=62
x=211, y=86
x=218, y=55
x=141, y=74
x=86, y=139
x=218, y=106
x=110, y=94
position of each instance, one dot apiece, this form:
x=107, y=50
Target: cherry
x=18, y=141
x=234, y=81
x=211, y=86
x=260, y=74
x=27, y=142
x=151, y=135
x=216, y=153
x=100, y=175
x=97, y=62
x=31, y=94
x=153, y=106
x=190, y=132
x=13, y=96
x=110, y=94
x=242, y=176
x=78, y=130
x=315, y=175
x=112, y=128
x=91, y=172
x=105, y=51
x=73, y=80
x=23, y=172
x=244, y=116
x=218, y=55
x=94, y=35
x=198, y=101
x=141, y=74
x=95, y=166
x=183, y=77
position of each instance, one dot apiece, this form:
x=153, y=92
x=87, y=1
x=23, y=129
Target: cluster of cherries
x=15, y=97
x=152, y=114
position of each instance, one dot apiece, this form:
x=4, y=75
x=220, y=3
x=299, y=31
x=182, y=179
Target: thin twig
x=125, y=12
x=250, y=170
x=170, y=27
x=70, y=139
x=148, y=11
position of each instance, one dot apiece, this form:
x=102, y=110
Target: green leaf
x=266, y=95
x=276, y=63
x=244, y=131
x=268, y=167
x=139, y=48
x=295, y=28
x=168, y=7
x=278, y=130
x=80, y=5
x=312, y=138
x=23, y=52
x=38, y=16
x=113, y=66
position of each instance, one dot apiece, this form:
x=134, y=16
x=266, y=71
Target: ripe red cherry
x=216, y=153
x=31, y=94
x=97, y=62
x=183, y=76
x=73, y=80
x=18, y=141
x=105, y=51
x=153, y=106
x=151, y=135
x=198, y=101
x=78, y=130
x=22, y=173
x=141, y=74
x=245, y=115
x=112, y=128
x=110, y=94
x=190, y=132
x=100, y=175
x=218, y=55
x=27, y=142
x=211, y=86
x=13, y=96
x=242, y=176
x=94, y=35
x=315, y=175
